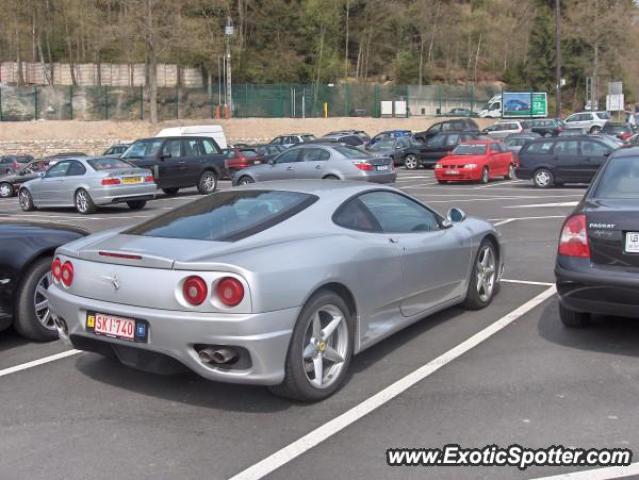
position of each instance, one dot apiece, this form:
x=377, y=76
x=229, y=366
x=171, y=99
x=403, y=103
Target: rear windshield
x=620, y=179
x=308, y=138
x=108, y=163
x=469, y=150
x=249, y=153
x=226, y=216
x=350, y=152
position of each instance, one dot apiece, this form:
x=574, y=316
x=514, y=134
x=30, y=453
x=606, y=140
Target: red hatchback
x=477, y=161
x=241, y=157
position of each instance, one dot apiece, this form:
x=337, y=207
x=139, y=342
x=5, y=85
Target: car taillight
x=56, y=269
x=66, y=274
x=149, y=179
x=110, y=181
x=194, y=290
x=573, y=241
x=230, y=291
x=367, y=167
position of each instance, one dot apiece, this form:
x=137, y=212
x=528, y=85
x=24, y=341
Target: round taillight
x=230, y=291
x=66, y=274
x=194, y=290
x=56, y=269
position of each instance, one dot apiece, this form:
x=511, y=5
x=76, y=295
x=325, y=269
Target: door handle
x=318, y=167
x=290, y=168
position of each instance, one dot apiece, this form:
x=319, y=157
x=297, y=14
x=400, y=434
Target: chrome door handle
x=318, y=167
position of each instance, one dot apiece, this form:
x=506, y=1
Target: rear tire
x=543, y=178
x=326, y=307
x=410, y=162
x=511, y=172
x=573, y=319
x=26, y=200
x=33, y=318
x=207, y=183
x=330, y=177
x=83, y=202
x=595, y=129
x=6, y=190
x=483, y=283
x=136, y=204
x=171, y=191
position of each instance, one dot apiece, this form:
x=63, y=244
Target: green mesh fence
x=249, y=100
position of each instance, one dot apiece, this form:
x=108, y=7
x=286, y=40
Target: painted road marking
x=41, y=361
x=334, y=426
x=526, y=282
x=544, y=205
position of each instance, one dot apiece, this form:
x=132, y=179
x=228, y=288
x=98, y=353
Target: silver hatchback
x=86, y=183
x=321, y=161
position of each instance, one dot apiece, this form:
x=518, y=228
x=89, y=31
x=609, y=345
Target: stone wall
x=43, y=148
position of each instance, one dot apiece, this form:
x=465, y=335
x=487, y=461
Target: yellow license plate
x=132, y=180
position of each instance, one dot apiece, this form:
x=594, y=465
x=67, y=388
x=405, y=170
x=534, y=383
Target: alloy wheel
x=41, y=302
x=82, y=202
x=245, y=181
x=410, y=162
x=326, y=346
x=6, y=190
x=542, y=178
x=486, y=273
x=208, y=182
x=25, y=199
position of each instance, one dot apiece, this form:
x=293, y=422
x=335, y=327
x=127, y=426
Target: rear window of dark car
x=226, y=216
x=108, y=163
x=619, y=179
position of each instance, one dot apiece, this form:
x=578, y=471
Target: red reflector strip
x=110, y=181
x=128, y=256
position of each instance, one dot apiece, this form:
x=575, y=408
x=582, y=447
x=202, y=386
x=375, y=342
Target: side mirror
x=455, y=215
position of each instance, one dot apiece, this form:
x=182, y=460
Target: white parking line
x=487, y=199
x=605, y=473
x=40, y=361
x=71, y=217
x=527, y=218
x=499, y=184
x=526, y=282
x=315, y=437
x=504, y=222
x=544, y=205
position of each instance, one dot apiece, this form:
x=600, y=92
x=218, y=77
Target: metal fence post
x=106, y=102
x=177, y=101
x=71, y=102
x=35, y=103
x=141, y=102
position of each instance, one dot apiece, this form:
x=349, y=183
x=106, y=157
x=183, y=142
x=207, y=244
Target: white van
x=216, y=132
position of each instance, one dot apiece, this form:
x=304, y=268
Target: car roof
x=315, y=187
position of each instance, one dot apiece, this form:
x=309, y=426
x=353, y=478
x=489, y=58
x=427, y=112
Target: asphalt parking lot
x=510, y=373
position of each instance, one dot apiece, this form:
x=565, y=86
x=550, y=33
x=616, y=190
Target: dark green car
x=10, y=183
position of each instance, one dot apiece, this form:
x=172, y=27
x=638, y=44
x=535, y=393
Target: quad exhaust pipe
x=217, y=356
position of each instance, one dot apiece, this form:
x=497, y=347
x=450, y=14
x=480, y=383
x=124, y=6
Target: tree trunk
x=348, y=7
x=477, y=58
x=153, y=64
x=421, y=59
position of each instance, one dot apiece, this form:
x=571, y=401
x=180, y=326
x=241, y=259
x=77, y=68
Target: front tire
x=320, y=350
x=573, y=319
x=245, y=180
x=484, y=279
x=410, y=162
x=595, y=129
x=485, y=176
x=33, y=318
x=136, y=204
x=6, y=190
x=330, y=177
x=543, y=178
x=26, y=200
x=83, y=202
x=207, y=183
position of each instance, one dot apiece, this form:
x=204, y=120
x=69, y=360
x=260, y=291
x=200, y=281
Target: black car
x=597, y=266
x=9, y=183
x=360, y=133
x=179, y=162
x=457, y=125
x=116, y=150
x=413, y=153
x=559, y=160
x=343, y=138
x=546, y=127
x=460, y=112
x=25, y=274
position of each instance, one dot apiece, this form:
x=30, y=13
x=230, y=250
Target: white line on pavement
x=499, y=184
x=527, y=218
x=526, y=282
x=543, y=205
x=605, y=473
x=315, y=437
x=40, y=361
x=71, y=217
x=487, y=199
x=504, y=222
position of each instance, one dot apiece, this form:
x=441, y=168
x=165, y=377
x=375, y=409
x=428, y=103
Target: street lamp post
x=229, y=31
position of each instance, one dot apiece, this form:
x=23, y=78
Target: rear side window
x=355, y=216
x=192, y=148
x=76, y=169
x=570, y=147
x=593, y=148
x=620, y=179
x=226, y=216
x=538, y=147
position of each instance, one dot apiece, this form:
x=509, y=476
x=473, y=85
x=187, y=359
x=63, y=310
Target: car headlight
x=470, y=165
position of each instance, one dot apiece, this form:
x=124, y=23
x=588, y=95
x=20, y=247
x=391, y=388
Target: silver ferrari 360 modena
x=276, y=284
x=87, y=183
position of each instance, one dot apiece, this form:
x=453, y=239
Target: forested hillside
x=403, y=41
